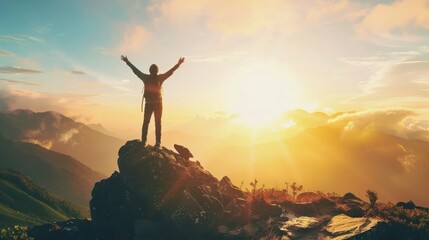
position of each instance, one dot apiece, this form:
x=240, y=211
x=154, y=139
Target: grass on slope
x=56, y=172
x=18, y=199
x=23, y=201
x=9, y=217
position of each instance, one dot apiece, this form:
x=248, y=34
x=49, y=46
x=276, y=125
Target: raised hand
x=181, y=60
x=124, y=58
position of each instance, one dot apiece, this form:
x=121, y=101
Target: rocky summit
x=160, y=187
x=161, y=194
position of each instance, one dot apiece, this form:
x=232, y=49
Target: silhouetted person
x=153, y=95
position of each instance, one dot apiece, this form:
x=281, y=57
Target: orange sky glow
x=249, y=66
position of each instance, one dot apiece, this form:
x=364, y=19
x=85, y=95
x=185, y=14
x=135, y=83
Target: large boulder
x=183, y=151
x=158, y=185
x=345, y=227
x=113, y=206
x=350, y=196
x=236, y=209
x=407, y=205
x=261, y=208
x=308, y=197
x=297, y=228
x=112, y=201
x=229, y=191
x=353, y=210
x=352, y=206
x=322, y=206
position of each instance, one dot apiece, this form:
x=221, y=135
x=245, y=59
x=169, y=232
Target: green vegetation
x=23, y=202
x=14, y=233
x=373, y=197
x=58, y=173
x=270, y=194
x=9, y=217
x=416, y=218
x=296, y=189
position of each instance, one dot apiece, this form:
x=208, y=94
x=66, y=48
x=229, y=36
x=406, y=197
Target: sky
x=245, y=59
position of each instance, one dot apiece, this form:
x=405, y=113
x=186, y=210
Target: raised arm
x=174, y=68
x=135, y=70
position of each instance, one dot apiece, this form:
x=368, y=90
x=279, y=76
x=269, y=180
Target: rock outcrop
x=236, y=208
x=352, y=206
x=183, y=151
x=299, y=227
x=320, y=207
x=308, y=197
x=407, y=205
x=158, y=186
x=345, y=227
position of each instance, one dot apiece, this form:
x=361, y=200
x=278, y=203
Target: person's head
x=153, y=69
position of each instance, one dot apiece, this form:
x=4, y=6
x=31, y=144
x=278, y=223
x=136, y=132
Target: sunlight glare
x=262, y=93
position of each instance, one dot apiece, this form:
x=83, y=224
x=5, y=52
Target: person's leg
x=148, y=110
x=158, y=116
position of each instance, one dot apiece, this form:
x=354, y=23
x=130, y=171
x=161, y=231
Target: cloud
x=43, y=143
x=37, y=134
x=74, y=72
x=408, y=78
x=397, y=78
x=205, y=59
x=250, y=17
x=240, y=17
x=60, y=102
x=397, y=122
x=322, y=10
x=407, y=160
x=20, y=38
x=381, y=59
x=66, y=136
x=399, y=20
x=18, y=70
x=5, y=53
x=105, y=51
x=366, y=61
x=43, y=29
x=18, y=82
x=134, y=39
x=374, y=118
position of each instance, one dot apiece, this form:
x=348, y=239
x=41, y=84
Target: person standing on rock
x=153, y=95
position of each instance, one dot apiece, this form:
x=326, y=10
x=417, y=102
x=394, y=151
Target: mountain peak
x=57, y=132
x=159, y=186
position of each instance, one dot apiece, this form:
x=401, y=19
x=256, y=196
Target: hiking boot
x=158, y=145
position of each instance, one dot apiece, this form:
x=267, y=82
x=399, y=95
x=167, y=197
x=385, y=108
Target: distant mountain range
x=23, y=202
x=57, y=132
x=332, y=156
x=58, y=173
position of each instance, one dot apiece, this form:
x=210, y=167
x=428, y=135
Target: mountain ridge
x=57, y=132
x=24, y=202
x=57, y=172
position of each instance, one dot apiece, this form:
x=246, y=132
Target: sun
x=256, y=104
x=261, y=96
